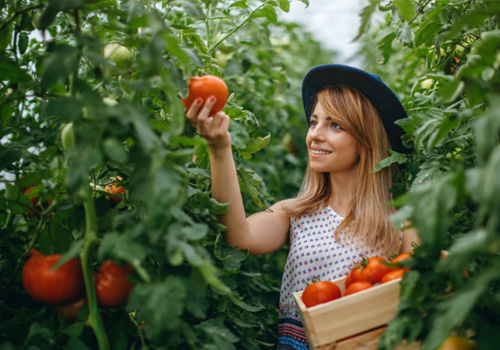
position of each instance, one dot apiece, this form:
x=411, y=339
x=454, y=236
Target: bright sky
x=334, y=23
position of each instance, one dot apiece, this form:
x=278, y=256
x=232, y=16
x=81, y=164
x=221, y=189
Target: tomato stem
x=86, y=256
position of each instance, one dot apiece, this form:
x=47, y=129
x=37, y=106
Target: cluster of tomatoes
x=64, y=286
x=365, y=274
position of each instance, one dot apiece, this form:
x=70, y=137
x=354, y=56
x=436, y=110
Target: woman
x=341, y=211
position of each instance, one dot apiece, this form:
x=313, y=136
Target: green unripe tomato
x=35, y=19
x=68, y=139
x=119, y=54
x=427, y=84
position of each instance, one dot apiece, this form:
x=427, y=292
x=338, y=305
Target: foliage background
x=193, y=291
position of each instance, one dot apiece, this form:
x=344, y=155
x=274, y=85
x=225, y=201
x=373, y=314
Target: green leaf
x=210, y=275
x=159, y=302
x=5, y=38
x=114, y=150
x=73, y=252
x=23, y=42
x=249, y=183
x=269, y=12
x=366, y=14
x=217, y=335
x=394, y=157
x=54, y=7
x=192, y=8
x=9, y=156
x=284, y=5
x=11, y=71
x=406, y=9
x=218, y=208
x=385, y=45
x=454, y=311
x=58, y=66
x=120, y=247
x=255, y=145
x=248, y=307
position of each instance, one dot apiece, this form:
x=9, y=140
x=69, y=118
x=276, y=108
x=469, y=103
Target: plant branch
x=18, y=13
x=86, y=256
x=235, y=29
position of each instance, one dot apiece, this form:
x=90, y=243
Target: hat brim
x=382, y=97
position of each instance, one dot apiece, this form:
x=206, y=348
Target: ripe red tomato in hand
x=58, y=286
x=112, y=286
x=320, y=292
x=204, y=87
x=357, y=287
x=375, y=268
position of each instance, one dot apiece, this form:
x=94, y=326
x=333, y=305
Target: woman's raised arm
x=262, y=232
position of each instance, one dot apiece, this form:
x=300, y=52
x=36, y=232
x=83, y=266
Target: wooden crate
x=328, y=325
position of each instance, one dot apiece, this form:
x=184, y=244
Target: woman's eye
x=336, y=126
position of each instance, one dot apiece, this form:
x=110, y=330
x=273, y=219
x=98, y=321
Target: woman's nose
x=317, y=133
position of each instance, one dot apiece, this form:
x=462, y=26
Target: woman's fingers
x=192, y=113
x=204, y=120
x=213, y=128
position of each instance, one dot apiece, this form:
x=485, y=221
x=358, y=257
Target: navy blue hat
x=383, y=98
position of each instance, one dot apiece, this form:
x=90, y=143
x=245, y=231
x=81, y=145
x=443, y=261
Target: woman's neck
x=342, y=193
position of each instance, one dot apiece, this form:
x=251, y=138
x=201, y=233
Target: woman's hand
x=214, y=129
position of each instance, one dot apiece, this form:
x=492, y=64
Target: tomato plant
x=48, y=285
x=112, y=284
x=205, y=86
x=358, y=286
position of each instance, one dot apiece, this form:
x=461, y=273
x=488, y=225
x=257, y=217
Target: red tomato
x=70, y=311
x=204, y=87
x=354, y=275
x=112, y=286
x=35, y=203
x=58, y=286
x=355, y=287
x=375, y=269
x=320, y=292
x=115, y=190
x=392, y=275
x=401, y=257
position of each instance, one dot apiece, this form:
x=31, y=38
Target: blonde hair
x=368, y=216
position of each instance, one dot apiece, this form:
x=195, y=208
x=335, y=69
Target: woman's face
x=331, y=149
